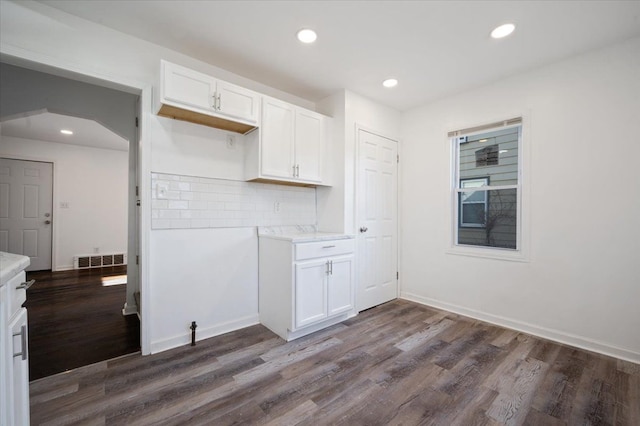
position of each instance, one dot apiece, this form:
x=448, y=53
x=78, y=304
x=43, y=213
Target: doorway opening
x=92, y=215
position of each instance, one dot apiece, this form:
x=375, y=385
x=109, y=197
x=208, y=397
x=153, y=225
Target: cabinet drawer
x=324, y=248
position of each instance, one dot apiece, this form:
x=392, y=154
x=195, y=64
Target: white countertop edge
x=307, y=237
x=11, y=265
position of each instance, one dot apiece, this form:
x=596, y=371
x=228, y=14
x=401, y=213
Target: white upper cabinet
x=309, y=137
x=277, y=139
x=192, y=96
x=289, y=146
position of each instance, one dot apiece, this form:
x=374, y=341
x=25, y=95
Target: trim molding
x=204, y=333
x=546, y=333
x=129, y=310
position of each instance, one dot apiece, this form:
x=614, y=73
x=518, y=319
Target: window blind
x=493, y=126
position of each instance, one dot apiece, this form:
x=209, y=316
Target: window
x=486, y=186
x=473, y=205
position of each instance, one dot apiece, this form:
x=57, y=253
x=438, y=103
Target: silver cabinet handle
x=25, y=285
x=331, y=267
x=214, y=104
x=294, y=170
x=297, y=170
x=327, y=268
x=328, y=246
x=219, y=102
x=23, y=343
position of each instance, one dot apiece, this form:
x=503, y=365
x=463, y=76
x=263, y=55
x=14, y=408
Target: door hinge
x=398, y=158
x=397, y=275
x=137, y=191
x=136, y=121
x=137, y=259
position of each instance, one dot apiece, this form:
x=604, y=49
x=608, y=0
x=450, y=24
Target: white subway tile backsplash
x=196, y=202
x=178, y=204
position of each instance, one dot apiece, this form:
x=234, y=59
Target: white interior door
x=377, y=220
x=26, y=201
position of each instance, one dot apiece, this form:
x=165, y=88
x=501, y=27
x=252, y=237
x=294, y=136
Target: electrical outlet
x=161, y=190
x=231, y=141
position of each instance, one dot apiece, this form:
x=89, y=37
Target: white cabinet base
x=289, y=335
x=305, y=287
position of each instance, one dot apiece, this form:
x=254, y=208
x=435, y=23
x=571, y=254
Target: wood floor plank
x=74, y=320
x=397, y=364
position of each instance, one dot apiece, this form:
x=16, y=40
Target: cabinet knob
x=363, y=229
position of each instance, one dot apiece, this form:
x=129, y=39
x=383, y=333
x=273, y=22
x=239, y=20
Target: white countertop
x=11, y=265
x=307, y=237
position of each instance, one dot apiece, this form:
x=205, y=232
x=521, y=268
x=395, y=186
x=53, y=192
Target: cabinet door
x=5, y=358
x=340, y=285
x=187, y=87
x=309, y=145
x=238, y=102
x=19, y=370
x=277, y=139
x=310, y=292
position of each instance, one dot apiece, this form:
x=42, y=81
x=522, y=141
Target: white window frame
x=521, y=251
x=485, y=181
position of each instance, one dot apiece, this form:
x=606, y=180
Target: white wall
x=34, y=32
x=202, y=275
x=336, y=206
x=581, y=284
x=94, y=183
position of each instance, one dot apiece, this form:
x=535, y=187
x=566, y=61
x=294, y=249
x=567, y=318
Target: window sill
x=489, y=253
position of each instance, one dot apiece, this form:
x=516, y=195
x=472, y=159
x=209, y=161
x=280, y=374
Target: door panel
x=340, y=298
x=277, y=139
x=311, y=292
x=238, y=102
x=377, y=220
x=189, y=87
x=26, y=192
x=309, y=136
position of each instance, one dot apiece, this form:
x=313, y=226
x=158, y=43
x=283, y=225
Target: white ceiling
x=434, y=48
x=45, y=126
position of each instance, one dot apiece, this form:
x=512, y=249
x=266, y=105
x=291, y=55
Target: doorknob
x=47, y=222
x=364, y=229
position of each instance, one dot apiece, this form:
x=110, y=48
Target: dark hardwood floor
x=74, y=320
x=397, y=364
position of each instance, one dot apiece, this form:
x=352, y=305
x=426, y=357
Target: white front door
x=26, y=217
x=377, y=220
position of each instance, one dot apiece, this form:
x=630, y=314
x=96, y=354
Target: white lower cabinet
x=14, y=351
x=18, y=374
x=305, y=287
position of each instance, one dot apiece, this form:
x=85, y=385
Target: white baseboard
x=129, y=310
x=546, y=333
x=203, y=333
x=63, y=268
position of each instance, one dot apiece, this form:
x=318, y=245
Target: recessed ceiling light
x=66, y=132
x=503, y=30
x=390, y=82
x=307, y=36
